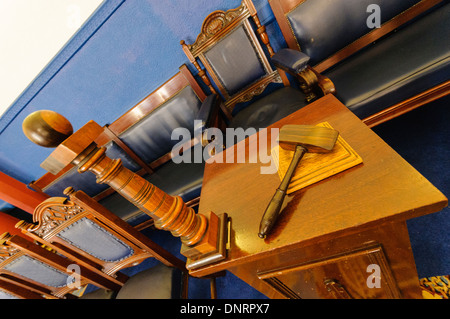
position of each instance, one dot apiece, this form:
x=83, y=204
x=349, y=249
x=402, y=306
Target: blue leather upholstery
x=86, y=182
x=91, y=238
x=150, y=138
x=323, y=27
x=235, y=61
x=269, y=109
x=33, y=269
x=406, y=63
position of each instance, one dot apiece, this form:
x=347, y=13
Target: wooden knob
x=68, y=190
x=46, y=128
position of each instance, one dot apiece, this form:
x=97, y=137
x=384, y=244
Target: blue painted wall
x=127, y=49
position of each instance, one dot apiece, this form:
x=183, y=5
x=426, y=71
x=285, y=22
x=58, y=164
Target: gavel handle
x=273, y=209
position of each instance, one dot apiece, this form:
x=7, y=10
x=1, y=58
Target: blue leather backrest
x=150, y=138
x=33, y=269
x=235, y=61
x=323, y=27
x=96, y=241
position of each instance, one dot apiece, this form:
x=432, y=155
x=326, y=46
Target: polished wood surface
x=56, y=127
x=410, y=104
x=384, y=189
x=18, y=291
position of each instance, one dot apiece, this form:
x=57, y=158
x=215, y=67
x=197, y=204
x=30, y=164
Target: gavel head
x=316, y=139
x=46, y=128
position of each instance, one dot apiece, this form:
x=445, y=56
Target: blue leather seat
x=269, y=109
x=396, y=67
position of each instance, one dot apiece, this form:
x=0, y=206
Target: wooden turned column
x=203, y=237
x=168, y=212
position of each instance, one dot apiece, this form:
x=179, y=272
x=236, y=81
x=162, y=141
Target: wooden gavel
x=198, y=233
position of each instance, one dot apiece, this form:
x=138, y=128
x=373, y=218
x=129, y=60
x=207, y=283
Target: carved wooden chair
x=378, y=72
x=85, y=231
x=238, y=68
x=141, y=138
x=26, y=265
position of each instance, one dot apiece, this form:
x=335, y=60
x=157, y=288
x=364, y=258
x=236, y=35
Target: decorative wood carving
x=217, y=25
x=349, y=265
x=6, y=251
x=49, y=215
x=254, y=90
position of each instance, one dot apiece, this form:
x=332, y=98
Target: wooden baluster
x=260, y=29
x=201, y=72
x=169, y=213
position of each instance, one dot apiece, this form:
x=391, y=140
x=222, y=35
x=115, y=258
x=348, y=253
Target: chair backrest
x=94, y=237
x=26, y=264
x=232, y=55
x=147, y=127
x=141, y=137
x=331, y=30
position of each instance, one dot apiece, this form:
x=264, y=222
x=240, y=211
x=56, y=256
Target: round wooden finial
x=46, y=128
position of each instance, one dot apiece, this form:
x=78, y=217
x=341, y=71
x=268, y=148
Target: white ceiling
x=31, y=33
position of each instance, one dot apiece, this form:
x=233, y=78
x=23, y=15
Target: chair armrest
x=206, y=112
x=312, y=83
x=291, y=61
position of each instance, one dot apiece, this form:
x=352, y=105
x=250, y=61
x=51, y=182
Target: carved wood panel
x=360, y=273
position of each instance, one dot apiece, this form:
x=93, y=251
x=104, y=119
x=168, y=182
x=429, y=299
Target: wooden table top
x=384, y=188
